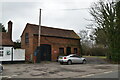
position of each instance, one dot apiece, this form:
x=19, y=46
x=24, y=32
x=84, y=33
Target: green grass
x=103, y=57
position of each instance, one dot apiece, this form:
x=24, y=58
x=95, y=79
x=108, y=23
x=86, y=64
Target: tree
x=17, y=44
x=85, y=42
x=84, y=36
x=100, y=37
x=2, y=28
x=106, y=16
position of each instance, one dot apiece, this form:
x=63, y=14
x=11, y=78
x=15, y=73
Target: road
x=108, y=74
x=55, y=70
x=95, y=67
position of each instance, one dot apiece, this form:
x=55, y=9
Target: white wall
x=7, y=52
x=19, y=55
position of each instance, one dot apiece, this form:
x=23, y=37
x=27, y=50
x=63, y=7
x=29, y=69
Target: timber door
x=68, y=50
x=44, y=53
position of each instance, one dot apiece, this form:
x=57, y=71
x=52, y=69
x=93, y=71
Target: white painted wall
x=7, y=52
x=19, y=55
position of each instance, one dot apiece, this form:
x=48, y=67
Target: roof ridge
x=51, y=31
x=50, y=27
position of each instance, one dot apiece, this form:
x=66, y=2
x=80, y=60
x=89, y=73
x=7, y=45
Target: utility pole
x=39, y=28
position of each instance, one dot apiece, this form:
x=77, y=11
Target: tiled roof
x=5, y=39
x=50, y=31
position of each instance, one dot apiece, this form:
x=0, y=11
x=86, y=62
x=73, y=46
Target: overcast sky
x=65, y=14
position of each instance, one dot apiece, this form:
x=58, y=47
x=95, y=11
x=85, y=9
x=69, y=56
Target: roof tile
x=5, y=39
x=50, y=31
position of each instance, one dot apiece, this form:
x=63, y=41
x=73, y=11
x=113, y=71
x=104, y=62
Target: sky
x=65, y=14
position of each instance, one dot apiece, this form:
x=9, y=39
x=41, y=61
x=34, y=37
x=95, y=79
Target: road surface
x=108, y=74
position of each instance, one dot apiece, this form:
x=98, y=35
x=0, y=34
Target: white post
x=39, y=28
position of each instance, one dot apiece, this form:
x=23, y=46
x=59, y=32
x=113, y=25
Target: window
x=68, y=50
x=61, y=51
x=1, y=48
x=75, y=50
x=26, y=38
x=1, y=51
x=74, y=56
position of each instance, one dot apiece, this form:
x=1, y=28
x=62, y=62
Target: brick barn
x=53, y=42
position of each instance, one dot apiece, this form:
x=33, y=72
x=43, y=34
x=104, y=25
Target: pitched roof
x=5, y=39
x=55, y=32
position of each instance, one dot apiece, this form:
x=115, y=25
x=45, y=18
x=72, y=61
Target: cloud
x=68, y=14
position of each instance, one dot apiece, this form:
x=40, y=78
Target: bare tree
x=107, y=22
x=2, y=28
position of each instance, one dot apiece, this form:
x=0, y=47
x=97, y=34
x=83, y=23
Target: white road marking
x=95, y=74
x=99, y=69
x=14, y=75
x=108, y=72
x=4, y=76
x=88, y=75
x=9, y=77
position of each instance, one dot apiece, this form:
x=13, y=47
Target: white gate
x=11, y=54
x=19, y=55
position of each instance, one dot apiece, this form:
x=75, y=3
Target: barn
x=53, y=42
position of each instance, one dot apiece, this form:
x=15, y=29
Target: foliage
x=17, y=44
x=98, y=51
x=106, y=16
x=103, y=57
x=85, y=42
x=2, y=28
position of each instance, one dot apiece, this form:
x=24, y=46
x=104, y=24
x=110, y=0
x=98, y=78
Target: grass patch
x=103, y=57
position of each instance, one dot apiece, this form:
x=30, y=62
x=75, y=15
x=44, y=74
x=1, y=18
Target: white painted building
x=11, y=54
x=7, y=52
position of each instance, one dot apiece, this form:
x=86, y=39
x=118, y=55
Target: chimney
x=10, y=29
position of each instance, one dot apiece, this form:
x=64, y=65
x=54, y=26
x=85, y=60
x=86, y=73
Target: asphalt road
x=109, y=74
x=95, y=68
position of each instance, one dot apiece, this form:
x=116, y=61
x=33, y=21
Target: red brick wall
x=55, y=43
x=29, y=46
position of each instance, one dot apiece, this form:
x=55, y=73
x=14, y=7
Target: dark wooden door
x=44, y=53
x=68, y=50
